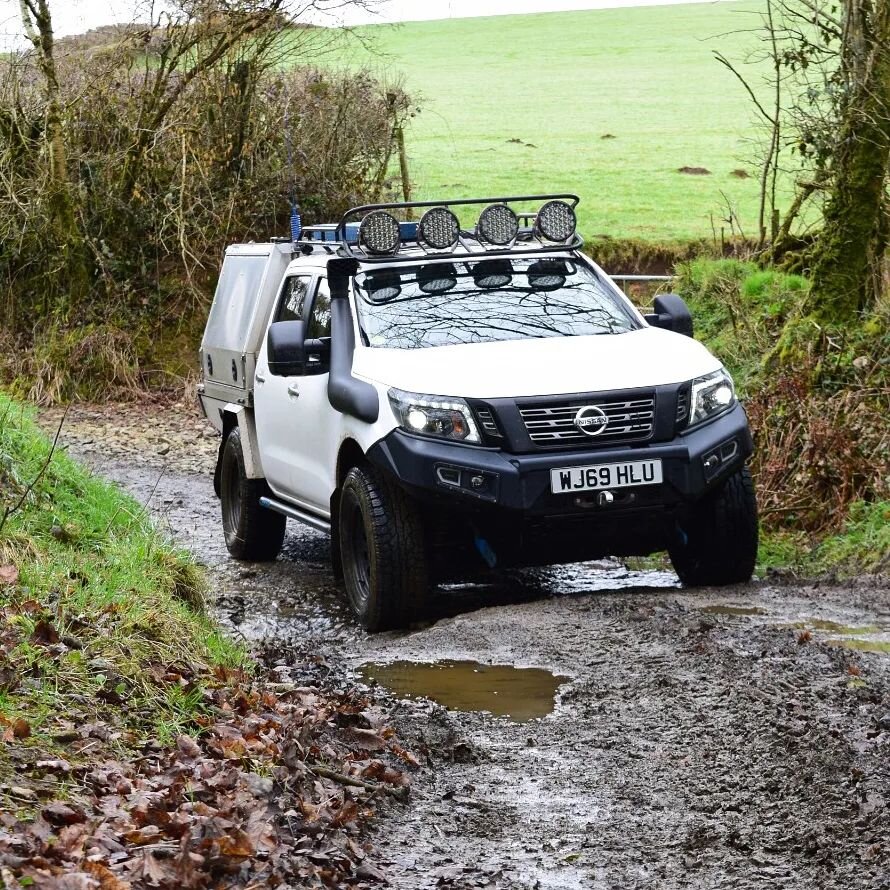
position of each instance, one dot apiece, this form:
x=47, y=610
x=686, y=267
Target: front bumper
x=479, y=479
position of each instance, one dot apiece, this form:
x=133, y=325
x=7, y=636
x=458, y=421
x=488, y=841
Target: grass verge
x=861, y=546
x=99, y=610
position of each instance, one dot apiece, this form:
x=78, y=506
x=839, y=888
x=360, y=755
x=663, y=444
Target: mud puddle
x=694, y=746
x=522, y=694
x=733, y=610
x=861, y=632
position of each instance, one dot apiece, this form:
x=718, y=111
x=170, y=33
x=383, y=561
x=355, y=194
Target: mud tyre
x=718, y=544
x=253, y=533
x=382, y=550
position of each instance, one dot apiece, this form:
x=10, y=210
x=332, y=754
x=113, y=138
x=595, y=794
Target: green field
x=559, y=83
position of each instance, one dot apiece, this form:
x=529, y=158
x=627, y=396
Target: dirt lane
x=715, y=739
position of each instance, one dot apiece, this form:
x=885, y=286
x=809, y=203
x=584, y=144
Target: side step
x=293, y=512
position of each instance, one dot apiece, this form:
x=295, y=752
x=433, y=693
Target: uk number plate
x=624, y=475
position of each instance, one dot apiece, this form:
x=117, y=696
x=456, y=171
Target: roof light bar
x=380, y=234
x=369, y=233
x=439, y=229
x=498, y=225
x=556, y=222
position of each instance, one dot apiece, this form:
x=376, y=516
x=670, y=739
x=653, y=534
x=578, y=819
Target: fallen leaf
x=236, y=843
x=9, y=678
x=59, y=813
x=188, y=746
x=54, y=766
x=44, y=633
x=366, y=739
x=371, y=872
x=105, y=877
x=141, y=836
x=9, y=576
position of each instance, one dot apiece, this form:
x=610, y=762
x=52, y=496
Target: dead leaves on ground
x=244, y=804
x=9, y=576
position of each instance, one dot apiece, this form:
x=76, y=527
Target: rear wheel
x=719, y=542
x=382, y=551
x=252, y=532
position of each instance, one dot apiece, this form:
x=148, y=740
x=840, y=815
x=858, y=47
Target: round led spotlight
x=439, y=229
x=556, y=222
x=498, y=225
x=379, y=233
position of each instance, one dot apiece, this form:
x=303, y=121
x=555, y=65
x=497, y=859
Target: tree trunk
x=847, y=257
x=37, y=23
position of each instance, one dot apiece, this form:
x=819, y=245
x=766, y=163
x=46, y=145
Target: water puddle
x=881, y=648
x=733, y=610
x=519, y=693
x=836, y=627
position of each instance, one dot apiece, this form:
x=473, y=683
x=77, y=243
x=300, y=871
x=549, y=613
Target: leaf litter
x=273, y=791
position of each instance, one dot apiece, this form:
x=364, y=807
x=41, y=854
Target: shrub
x=156, y=203
x=820, y=424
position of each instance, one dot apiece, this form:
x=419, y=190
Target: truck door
x=296, y=424
x=273, y=397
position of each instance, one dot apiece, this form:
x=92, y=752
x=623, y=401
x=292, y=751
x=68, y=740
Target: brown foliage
x=817, y=451
x=247, y=803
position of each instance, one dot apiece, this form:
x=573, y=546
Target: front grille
x=630, y=420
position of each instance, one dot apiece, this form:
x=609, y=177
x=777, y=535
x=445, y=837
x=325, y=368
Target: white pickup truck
x=447, y=399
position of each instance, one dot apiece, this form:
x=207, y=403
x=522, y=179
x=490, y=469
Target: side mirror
x=672, y=314
x=286, y=348
x=290, y=353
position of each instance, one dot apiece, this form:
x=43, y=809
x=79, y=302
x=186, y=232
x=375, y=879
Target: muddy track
x=735, y=738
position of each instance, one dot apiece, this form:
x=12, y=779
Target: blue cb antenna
x=296, y=221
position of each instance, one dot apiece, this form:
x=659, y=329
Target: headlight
x=439, y=416
x=711, y=395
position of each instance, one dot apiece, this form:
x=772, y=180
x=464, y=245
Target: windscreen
x=481, y=301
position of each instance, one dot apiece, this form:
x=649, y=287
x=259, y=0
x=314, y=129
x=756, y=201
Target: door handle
x=293, y=391
x=260, y=378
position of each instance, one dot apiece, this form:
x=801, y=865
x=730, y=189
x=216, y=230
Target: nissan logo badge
x=591, y=420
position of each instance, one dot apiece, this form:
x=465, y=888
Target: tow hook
x=604, y=499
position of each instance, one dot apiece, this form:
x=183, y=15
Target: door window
x=292, y=302
x=320, y=320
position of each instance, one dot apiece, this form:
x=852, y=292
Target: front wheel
x=718, y=544
x=252, y=532
x=382, y=551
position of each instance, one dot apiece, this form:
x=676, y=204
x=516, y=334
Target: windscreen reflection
x=444, y=304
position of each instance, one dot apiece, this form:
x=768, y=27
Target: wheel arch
x=238, y=416
x=350, y=455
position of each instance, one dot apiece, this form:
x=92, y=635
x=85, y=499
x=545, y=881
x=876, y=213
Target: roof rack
x=346, y=236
